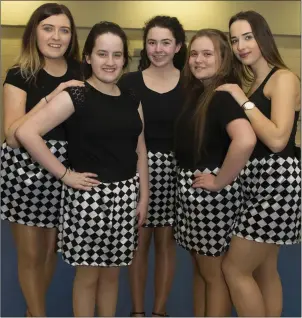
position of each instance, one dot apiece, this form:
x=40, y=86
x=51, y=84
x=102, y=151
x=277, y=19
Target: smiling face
x=107, y=58
x=161, y=46
x=53, y=36
x=244, y=44
x=203, y=60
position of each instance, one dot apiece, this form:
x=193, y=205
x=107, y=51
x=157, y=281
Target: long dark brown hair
x=31, y=60
x=172, y=24
x=200, y=94
x=265, y=41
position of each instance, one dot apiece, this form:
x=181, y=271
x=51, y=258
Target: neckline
x=264, y=81
x=57, y=76
x=102, y=92
x=153, y=91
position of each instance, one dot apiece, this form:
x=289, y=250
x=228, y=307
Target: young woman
x=213, y=143
x=157, y=86
x=271, y=214
x=105, y=136
x=30, y=196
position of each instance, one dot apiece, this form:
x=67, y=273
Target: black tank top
x=264, y=105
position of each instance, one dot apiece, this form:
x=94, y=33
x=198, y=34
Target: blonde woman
x=30, y=196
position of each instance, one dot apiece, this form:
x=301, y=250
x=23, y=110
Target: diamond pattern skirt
x=29, y=194
x=205, y=219
x=99, y=227
x=271, y=210
x=162, y=182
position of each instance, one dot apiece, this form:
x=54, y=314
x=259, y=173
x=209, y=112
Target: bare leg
x=242, y=259
x=164, y=266
x=31, y=251
x=84, y=290
x=51, y=256
x=138, y=270
x=199, y=291
x=268, y=280
x=218, y=301
x=107, y=292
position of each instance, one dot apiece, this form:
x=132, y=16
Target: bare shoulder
x=283, y=80
x=285, y=77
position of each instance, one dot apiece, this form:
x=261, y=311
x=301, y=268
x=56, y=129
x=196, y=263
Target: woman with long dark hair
x=271, y=213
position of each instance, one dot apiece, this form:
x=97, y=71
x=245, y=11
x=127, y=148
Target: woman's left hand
x=237, y=93
x=206, y=181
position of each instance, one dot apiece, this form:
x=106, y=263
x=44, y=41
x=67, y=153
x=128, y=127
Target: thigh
x=30, y=241
x=247, y=255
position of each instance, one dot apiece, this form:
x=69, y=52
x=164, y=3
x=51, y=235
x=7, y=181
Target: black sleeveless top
x=264, y=105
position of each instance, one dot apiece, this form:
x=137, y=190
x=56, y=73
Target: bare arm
x=275, y=132
x=31, y=132
x=14, y=101
x=241, y=147
x=284, y=92
x=143, y=170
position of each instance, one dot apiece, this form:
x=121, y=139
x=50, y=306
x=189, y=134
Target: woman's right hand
x=63, y=86
x=81, y=181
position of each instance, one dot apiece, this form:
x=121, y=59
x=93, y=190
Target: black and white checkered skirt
x=271, y=210
x=29, y=194
x=205, y=219
x=99, y=227
x=162, y=182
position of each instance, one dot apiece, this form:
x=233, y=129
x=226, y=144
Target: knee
x=31, y=257
x=229, y=269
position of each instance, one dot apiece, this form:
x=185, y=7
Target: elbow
x=249, y=143
x=277, y=145
x=20, y=134
x=11, y=140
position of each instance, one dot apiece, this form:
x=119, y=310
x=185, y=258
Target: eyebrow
x=246, y=33
x=160, y=40
x=107, y=51
x=212, y=51
x=48, y=24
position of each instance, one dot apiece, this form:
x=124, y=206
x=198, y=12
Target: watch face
x=248, y=105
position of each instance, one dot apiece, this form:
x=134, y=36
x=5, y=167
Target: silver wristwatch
x=248, y=105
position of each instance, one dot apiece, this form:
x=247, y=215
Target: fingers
x=89, y=174
x=141, y=218
x=80, y=187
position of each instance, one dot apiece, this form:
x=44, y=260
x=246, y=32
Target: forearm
x=38, y=150
x=10, y=137
x=237, y=156
x=265, y=129
x=143, y=170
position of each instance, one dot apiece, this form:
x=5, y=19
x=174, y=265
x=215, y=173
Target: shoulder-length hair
x=30, y=60
x=172, y=24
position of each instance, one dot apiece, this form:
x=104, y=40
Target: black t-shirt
x=44, y=85
x=160, y=111
x=103, y=133
x=221, y=111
